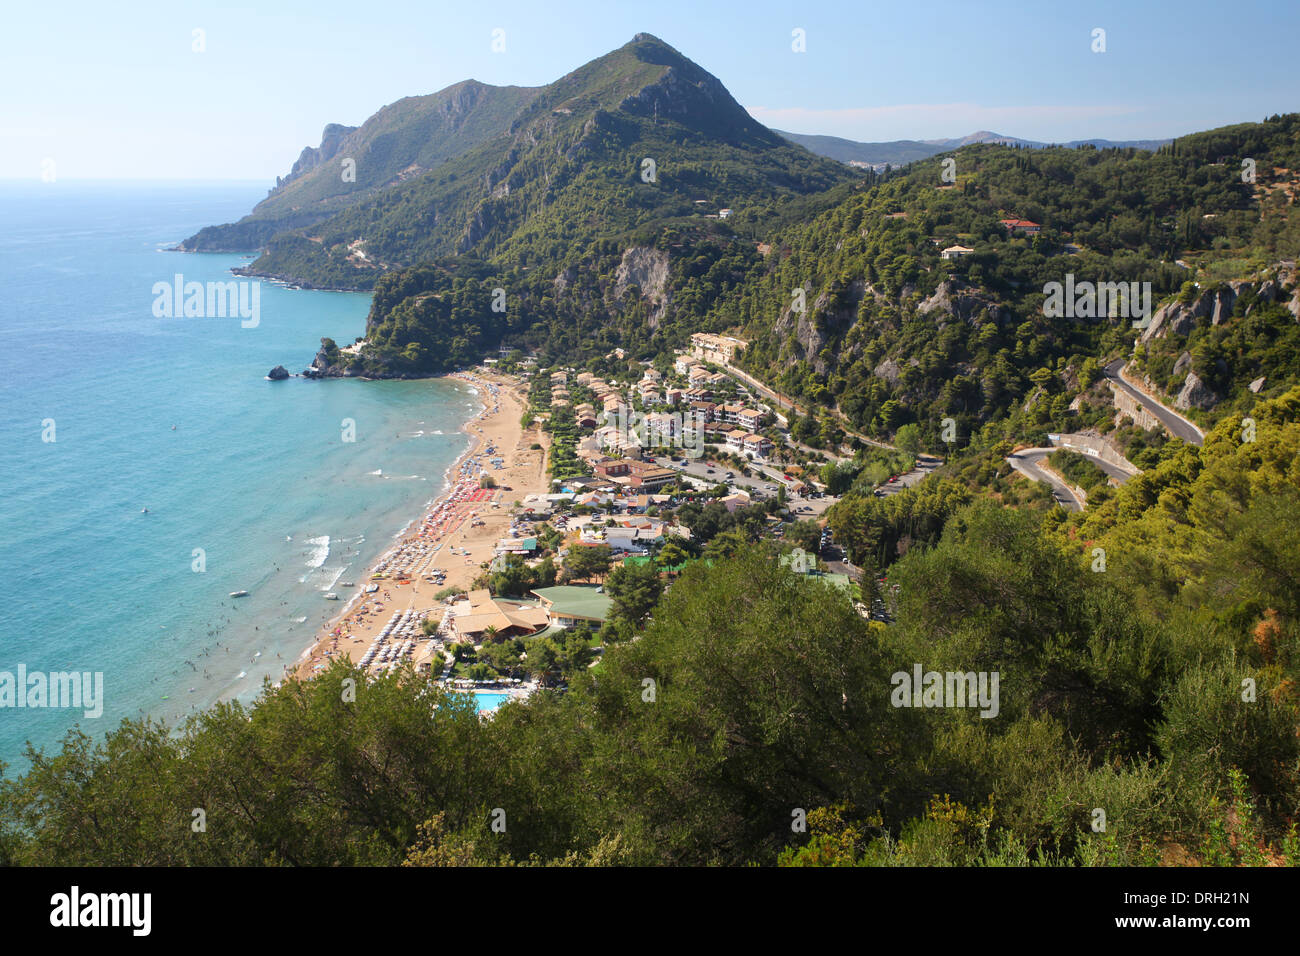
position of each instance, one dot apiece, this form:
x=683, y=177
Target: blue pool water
x=488, y=702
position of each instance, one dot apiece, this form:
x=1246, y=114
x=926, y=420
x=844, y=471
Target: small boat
x=331, y=596
x=241, y=674
x=348, y=584
x=239, y=594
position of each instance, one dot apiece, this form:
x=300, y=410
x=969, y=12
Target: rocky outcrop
x=324, y=364
x=963, y=302
x=563, y=279
x=889, y=370
x=1218, y=302
x=1183, y=364
x=1181, y=317
x=1194, y=394
x=330, y=141
x=278, y=374
x=647, y=269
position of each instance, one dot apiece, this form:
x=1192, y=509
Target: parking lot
x=924, y=465
x=761, y=484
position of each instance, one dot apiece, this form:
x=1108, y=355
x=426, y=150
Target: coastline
x=454, y=533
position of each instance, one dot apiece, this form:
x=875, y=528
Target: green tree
x=585, y=562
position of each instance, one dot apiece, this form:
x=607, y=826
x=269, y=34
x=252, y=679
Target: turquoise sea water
x=256, y=474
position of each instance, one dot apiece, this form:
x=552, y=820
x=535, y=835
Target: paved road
x=925, y=464
x=1117, y=472
x=759, y=480
x=788, y=404
x=1027, y=462
x=1175, y=424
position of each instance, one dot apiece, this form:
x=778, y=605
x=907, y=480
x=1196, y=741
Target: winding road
x=1027, y=462
x=1175, y=424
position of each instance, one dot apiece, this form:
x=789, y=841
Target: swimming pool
x=488, y=701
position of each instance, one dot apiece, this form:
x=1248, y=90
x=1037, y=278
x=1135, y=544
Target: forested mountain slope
x=641, y=135
x=403, y=140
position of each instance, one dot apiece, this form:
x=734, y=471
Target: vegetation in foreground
x=1160, y=690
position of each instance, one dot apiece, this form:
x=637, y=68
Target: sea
x=148, y=468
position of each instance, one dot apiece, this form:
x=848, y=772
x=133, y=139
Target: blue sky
x=110, y=91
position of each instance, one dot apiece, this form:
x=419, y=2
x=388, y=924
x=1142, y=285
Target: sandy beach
x=455, y=534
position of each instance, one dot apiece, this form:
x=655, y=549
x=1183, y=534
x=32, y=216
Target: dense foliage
x=1161, y=689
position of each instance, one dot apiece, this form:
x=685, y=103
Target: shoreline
x=454, y=533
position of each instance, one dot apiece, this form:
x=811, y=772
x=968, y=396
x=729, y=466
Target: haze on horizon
x=113, y=96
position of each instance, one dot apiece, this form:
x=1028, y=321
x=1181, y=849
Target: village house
x=703, y=411
x=1021, y=227
x=661, y=428
x=757, y=446
x=517, y=545
x=640, y=475
x=621, y=441
x=629, y=536
x=684, y=364
x=955, y=252
x=480, y=615
x=716, y=348
x=729, y=413
x=748, y=418
x=570, y=605
x=542, y=505
x=737, y=499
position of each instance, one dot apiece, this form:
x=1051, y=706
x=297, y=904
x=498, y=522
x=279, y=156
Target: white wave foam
x=320, y=551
